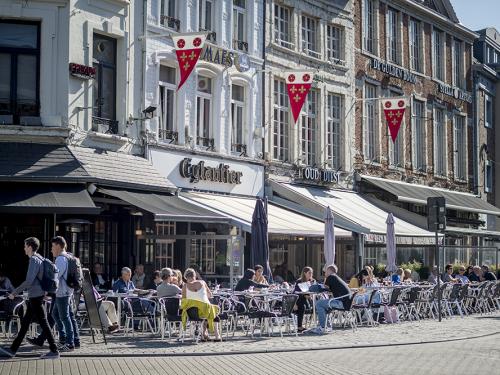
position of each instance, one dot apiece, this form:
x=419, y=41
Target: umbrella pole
x=439, y=275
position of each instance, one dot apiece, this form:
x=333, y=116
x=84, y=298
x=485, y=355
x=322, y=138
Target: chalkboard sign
x=92, y=305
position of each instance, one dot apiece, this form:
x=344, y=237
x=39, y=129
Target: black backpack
x=49, y=281
x=74, y=274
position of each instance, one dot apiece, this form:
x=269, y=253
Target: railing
x=166, y=134
x=98, y=123
x=240, y=45
x=312, y=53
x=211, y=36
x=283, y=43
x=239, y=148
x=170, y=22
x=209, y=143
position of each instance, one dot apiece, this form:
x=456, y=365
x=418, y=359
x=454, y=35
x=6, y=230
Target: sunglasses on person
x=461, y=270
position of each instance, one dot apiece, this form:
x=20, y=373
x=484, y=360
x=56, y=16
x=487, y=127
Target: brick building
x=486, y=101
x=419, y=50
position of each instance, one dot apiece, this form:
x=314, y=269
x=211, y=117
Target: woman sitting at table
x=407, y=276
x=303, y=302
x=367, y=281
x=196, y=294
x=177, y=278
x=247, y=281
x=259, y=275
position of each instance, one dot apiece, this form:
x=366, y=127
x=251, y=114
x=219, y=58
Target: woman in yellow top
x=195, y=293
x=259, y=275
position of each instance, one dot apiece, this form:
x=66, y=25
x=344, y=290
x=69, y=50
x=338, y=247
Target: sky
x=478, y=14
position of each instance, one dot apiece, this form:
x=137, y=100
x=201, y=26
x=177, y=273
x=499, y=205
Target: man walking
x=35, y=309
x=64, y=294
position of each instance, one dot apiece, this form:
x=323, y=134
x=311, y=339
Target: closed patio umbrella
x=259, y=241
x=329, y=239
x=391, y=244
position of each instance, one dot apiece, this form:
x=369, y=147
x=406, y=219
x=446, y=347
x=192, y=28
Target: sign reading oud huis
x=200, y=172
x=318, y=175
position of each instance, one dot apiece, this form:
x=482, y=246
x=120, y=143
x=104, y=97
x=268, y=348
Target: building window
x=19, y=72
x=369, y=26
x=310, y=36
x=204, y=132
x=396, y=148
x=105, y=83
x=334, y=130
x=439, y=142
x=308, y=128
x=488, y=176
x=334, y=44
x=280, y=122
x=282, y=26
x=415, y=30
x=371, y=131
x=164, y=256
x=168, y=14
x=166, y=113
x=438, y=53
x=203, y=254
x=239, y=25
x=393, y=43
x=460, y=145
x=205, y=15
x=419, y=141
x=458, y=63
x=237, y=119
x=488, y=111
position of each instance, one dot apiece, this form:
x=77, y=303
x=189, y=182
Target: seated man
x=140, y=279
x=487, y=274
x=476, y=275
x=99, y=278
x=167, y=288
x=5, y=284
x=107, y=311
x=341, y=293
x=447, y=276
x=124, y=284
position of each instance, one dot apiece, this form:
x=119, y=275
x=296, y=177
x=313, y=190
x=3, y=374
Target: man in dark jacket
x=246, y=282
x=487, y=274
x=341, y=293
x=35, y=309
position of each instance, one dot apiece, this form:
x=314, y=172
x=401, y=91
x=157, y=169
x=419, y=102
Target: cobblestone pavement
x=384, y=334
x=479, y=355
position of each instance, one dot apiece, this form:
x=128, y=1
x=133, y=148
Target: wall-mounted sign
x=82, y=71
x=319, y=175
x=394, y=71
x=217, y=55
x=200, y=172
x=221, y=56
x=455, y=92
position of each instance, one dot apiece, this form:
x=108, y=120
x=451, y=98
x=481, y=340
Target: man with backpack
x=74, y=280
x=61, y=313
x=40, y=278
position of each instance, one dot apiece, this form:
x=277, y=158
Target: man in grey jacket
x=35, y=309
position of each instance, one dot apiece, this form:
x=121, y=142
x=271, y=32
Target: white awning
x=354, y=207
x=281, y=220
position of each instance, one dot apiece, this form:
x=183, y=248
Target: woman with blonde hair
x=196, y=294
x=177, y=278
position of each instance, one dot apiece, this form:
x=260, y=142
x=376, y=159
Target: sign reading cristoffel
x=199, y=172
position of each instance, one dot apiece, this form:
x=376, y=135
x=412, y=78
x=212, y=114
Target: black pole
x=438, y=255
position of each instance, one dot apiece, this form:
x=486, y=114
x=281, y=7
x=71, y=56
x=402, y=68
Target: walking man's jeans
x=36, y=312
x=62, y=318
x=322, y=307
x=41, y=337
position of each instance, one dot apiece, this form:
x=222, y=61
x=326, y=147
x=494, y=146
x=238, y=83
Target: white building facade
x=216, y=115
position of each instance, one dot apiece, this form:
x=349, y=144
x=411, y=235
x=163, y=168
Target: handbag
x=391, y=314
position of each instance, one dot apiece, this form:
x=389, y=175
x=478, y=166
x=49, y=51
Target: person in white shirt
x=61, y=312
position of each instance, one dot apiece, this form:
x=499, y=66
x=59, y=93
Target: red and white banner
x=188, y=49
x=298, y=85
x=394, y=111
